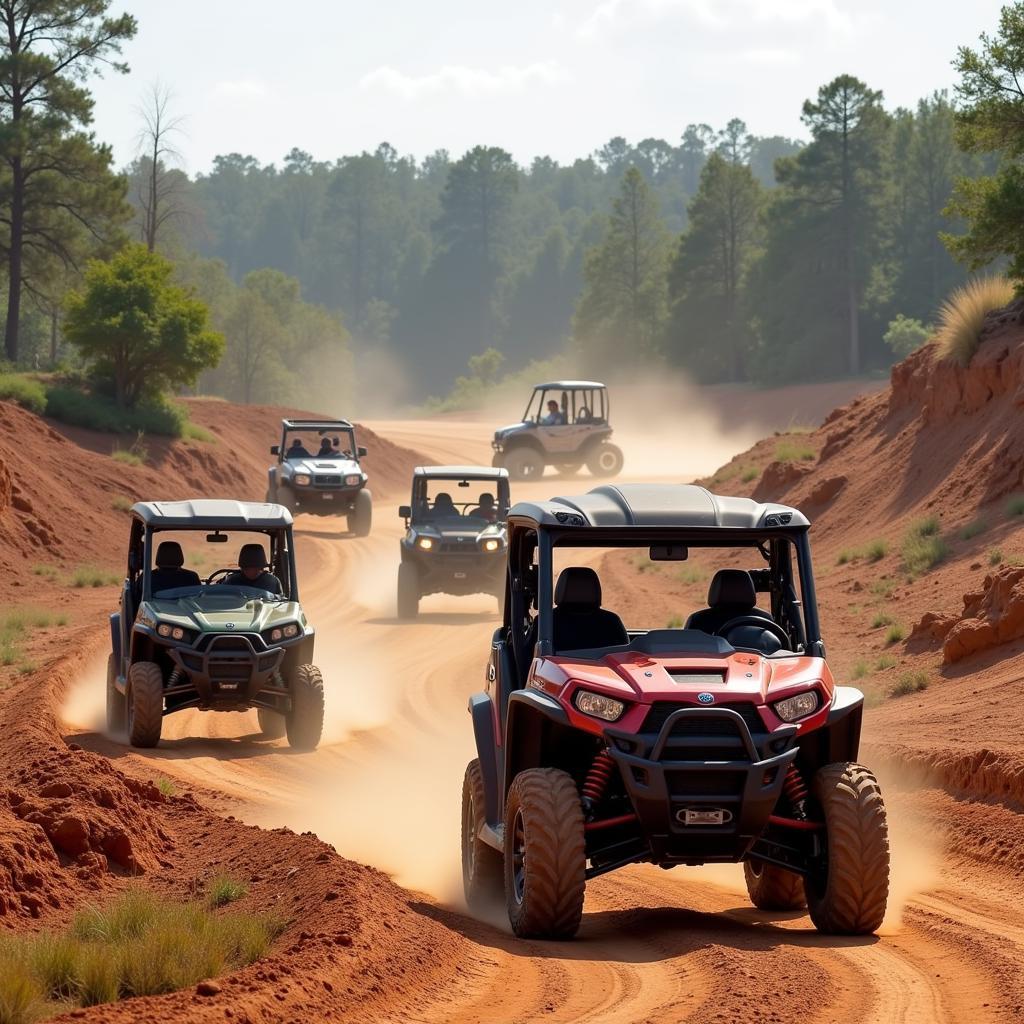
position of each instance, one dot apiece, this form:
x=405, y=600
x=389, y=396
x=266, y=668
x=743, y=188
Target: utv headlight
x=301, y=479
x=353, y=481
x=492, y=544
x=800, y=706
x=291, y=630
x=426, y=543
x=599, y=706
x=171, y=632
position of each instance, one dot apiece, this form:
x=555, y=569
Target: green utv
x=234, y=640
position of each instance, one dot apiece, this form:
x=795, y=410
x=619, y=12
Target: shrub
x=792, y=451
x=676, y=622
x=844, y=557
x=194, y=432
x=876, y=550
x=882, y=588
x=21, y=1001
x=895, y=634
x=923, y=548
x=223, y=890
x=84, y=409
x=49, y=571
x=121, y=503
x=690, y=575
x=884, y=662
x=1015, y=506
x=904, y=335
x=972, y=529
x=995, y=556
x=860, y=670
x=909, y=682
x=89, y=576
x=880, y=620
x=23, y=391
x=750, y=473
x=963, y=315
x=166, y=786
x=127, y=457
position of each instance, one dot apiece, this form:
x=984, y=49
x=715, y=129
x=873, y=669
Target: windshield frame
x=305, y=432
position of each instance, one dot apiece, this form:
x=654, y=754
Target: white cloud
x=463, y=80
x=243, y=89
x=721, y=15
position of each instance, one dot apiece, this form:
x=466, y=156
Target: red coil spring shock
x=598, y=778
x=796, y=790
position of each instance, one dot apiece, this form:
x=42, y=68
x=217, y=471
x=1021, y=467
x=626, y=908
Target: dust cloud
x=85, y=706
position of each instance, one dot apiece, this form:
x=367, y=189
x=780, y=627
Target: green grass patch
x=127, y=457
x=923, y=548
x=46, y=571
x=885, y=661
x=691, y=575
x=166, y=786
x=908, y=683
x=750, y=473
x=881, y=619
x=876, y=550
x=962, y=316
x=1015, y=506
x=136, y=946
x=794, y=451
x=995, y=556
x=895, y=634
x=23, y=391
x=844, y=557
x=860, y=670
x=882, y=588
x=86, y=576
x=193, y=432
x=973, y=529
x=223, y=890
x=121, y=503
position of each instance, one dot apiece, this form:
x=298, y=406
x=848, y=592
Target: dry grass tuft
x=963, y=315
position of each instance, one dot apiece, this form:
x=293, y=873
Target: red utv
x=725, y=740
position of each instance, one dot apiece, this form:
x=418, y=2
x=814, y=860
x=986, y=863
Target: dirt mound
x=992, y=616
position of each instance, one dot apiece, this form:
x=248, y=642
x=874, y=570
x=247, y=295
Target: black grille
x=327, y=480
x=458, y=547
x=698, y=726
x=705, y=783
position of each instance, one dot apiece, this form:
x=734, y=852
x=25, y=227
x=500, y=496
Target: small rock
x=207, y=988
x=56, y=789
x=71, y=835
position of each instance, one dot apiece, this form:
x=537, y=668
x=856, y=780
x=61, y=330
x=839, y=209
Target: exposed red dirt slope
x=59, y=485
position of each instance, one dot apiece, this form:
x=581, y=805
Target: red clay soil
x=58, y=483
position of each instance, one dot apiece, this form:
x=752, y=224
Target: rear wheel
x=773, y=888
x=848, y=892
x=569, y=468
x=545, y=858
x=145, y=700
x=524, y=464
x=481, y=864
x=271, y=723
x=304, y=723
x=361, y=516
x=115, y=700
x=605, y=460
x=408, y=590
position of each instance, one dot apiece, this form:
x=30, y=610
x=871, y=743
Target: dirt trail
x=654, y=946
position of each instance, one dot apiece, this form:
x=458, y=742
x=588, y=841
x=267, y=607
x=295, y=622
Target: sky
x=537, y=77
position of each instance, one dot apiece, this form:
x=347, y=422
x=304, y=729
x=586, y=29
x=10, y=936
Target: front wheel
x=481, y=865
x=361, y=516
x=284, y=496
x=848, y=890
x=271, y=723
x=304, y=723
x=605, y=460
x=545, y=858
x=408, y=590
x=145, y=700
x=115, y=700
x=771, y=887
x=524, y=464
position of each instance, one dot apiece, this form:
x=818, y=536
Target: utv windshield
x=219, y=568
x=706, y=593
x=336, y=443
x=460, y=502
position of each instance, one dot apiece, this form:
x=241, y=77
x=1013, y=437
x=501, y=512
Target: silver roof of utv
x=658, y=505
x=212, y=514
x=570, y=385
x=461, y=472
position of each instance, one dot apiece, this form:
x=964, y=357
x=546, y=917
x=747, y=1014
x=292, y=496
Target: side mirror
x=405, y=511
x=275, y=449
x=360, y=452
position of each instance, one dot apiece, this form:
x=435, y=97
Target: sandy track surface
x=654, y=946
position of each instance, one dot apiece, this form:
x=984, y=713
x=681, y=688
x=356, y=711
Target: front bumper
x=475, y=572
x=325, y=501
x=233, y=670
x=665, y=774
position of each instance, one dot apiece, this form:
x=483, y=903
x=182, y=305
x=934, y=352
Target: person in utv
x=554, y=417
x=297, y=450
x=252, y=571
x=327, y=450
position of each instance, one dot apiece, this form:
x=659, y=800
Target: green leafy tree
x=905, y=334
x=990, y=119
x=55, y=176
x=140, y=333
x=709, y=332
x=622, y=310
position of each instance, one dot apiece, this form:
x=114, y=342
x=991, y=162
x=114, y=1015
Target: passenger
x=252, y=571
x=327, y=450
x=297, y=450
x=486, y=508
x=554, y=417
x=444, y=506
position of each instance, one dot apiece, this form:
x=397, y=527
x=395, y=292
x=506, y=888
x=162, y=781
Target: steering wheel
x=755, y=620
x=218, y=572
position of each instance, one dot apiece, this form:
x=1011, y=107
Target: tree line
x=735, y=257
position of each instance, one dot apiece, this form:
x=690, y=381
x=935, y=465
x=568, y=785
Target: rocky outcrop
x=992, y=616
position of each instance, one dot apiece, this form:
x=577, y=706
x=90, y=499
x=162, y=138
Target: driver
x=327, y=450
x=485, y=509
x=554, y=417
x=297, y=450
x=252, y=571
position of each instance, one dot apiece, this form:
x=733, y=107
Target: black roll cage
x=530, y=582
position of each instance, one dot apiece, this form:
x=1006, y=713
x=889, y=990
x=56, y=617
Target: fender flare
x=115, y=638
x=481, y=710
x=530, y=719
x=838, y=739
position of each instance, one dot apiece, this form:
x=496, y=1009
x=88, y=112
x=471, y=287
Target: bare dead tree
x=160, y=183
